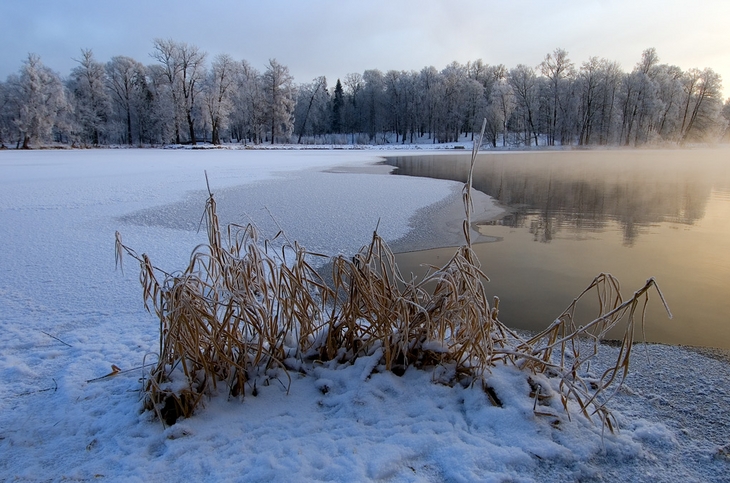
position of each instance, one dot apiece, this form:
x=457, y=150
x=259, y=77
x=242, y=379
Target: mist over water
x=573, y=214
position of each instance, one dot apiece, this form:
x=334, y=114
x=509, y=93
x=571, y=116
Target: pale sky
x=337, y=37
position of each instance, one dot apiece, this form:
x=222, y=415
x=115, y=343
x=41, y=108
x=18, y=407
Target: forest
x=183, y=97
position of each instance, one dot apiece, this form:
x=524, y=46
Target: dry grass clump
x=243, y=312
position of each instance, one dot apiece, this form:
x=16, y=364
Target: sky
x=337, y=37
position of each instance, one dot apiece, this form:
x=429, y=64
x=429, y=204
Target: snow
x=67, y=316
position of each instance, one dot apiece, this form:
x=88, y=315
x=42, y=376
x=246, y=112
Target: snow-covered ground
x=66, y=316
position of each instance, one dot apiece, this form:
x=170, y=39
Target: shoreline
x=440, y=225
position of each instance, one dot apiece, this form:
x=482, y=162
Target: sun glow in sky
x=337, y=37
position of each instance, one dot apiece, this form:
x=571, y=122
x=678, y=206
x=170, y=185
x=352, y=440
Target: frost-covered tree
x=476, y=107
x=37, y=101
x=6, y=121
x=132, y=99
x=394, y=97
x=452, y=109
x=412, y=105
x=428, y=82
x=279, y=99
x=374, y=103
x=353, y=117
x=121, y=79
x=192, y=71
x=218, y=94
x=184, y=70
x=503, y=101
x=639, y=99
x=588, y=85
x=726, y=118
x=610, y=81
x=247, y=120
x=702, y=108
x=670, y=94
x=312, y=110
x=480, y=98
x=524, y=84
x=167, y=112
x=558, y=70
x=165, y=52
x=552, y=103
x=88, y=87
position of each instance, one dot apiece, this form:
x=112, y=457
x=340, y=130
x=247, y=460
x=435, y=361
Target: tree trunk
x=191, y=127
x=129, y=127
x=215, y=136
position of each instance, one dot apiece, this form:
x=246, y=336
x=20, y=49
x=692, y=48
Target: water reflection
x=635, y=214
x=579, y=192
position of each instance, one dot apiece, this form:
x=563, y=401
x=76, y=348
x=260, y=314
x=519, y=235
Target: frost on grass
x=244, y=314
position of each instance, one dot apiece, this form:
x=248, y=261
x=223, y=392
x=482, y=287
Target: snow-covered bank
x=68, y=316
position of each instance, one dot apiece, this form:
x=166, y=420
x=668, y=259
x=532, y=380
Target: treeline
x=181, y=98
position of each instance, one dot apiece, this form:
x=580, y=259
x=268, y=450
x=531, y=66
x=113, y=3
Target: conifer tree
x=338, y=104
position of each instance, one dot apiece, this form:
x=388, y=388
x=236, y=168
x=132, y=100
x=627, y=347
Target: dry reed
x=242, y=311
